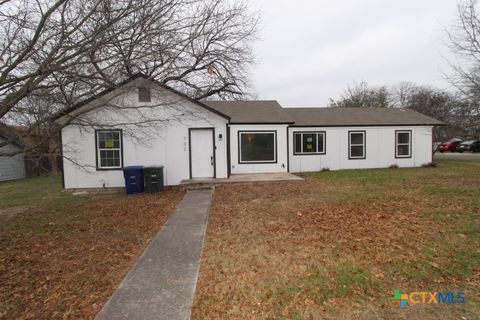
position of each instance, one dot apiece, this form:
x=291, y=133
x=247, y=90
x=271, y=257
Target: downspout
x=228, y=150
x=288, y=149
x=63, y=162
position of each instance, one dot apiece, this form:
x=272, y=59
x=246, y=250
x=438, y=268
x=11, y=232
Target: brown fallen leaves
x=334, y=249
x=63, y=260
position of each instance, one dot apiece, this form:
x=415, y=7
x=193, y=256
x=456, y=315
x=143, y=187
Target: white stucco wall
x=380, y=149
x=242, y=168
x=162, y=139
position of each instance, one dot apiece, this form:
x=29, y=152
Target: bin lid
x=129, y=168
x=154, y=167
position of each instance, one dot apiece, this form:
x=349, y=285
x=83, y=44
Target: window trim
x=239, y=142
x=295, y=153
x=364, y=156
x=97, y=151
x=397, y=156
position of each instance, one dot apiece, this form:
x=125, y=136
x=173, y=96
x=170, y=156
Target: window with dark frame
x=109, y=149
x=356, y=145
x=403, y=144
x=144, y=94
x=309, y=142
x=257, y=146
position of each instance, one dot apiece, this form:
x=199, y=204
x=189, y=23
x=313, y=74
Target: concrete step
x=200, y=186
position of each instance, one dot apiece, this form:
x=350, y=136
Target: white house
x=143, y=122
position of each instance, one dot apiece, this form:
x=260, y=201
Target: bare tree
x=361, y=95
x=435, y=103
x=451, y=108
x=68, y=50
x=400, y=94
x=35, y=133
x=464, y=42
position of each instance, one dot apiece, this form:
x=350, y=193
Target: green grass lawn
x=30, y=191
x=62, y=256
x=338, y=245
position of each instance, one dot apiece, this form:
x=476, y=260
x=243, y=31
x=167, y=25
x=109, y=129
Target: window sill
x=309, y=154
x=109, y=169
x=258, y=162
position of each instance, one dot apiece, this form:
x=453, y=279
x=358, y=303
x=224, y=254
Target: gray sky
x=311, y=50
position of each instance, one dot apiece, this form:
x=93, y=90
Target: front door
x=202, y=160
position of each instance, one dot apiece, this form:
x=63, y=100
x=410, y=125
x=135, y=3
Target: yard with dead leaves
x=337, y=245
x=62, y=256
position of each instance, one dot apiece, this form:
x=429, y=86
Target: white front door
x=202, y=160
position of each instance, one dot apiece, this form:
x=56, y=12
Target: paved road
x=162, y=283
x=457, y=156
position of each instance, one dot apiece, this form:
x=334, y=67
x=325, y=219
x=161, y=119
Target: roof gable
x=108, y=94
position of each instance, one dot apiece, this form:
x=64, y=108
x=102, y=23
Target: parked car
x=450, y=145
x=472, y=146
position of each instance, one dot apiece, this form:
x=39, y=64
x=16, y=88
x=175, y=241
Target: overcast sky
x=311, y=50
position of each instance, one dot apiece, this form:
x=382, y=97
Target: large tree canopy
x=67, y=50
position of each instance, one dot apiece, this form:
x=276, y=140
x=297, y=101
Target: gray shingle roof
x=261, y=111
x=359, y=116
x=271, y=111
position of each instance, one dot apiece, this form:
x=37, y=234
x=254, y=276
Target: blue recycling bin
x=133, y=179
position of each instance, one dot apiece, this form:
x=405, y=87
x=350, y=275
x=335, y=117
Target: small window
x=356, y=144
x=403, y=145
x=309, y=143
x=144, y=94
x=257, y=147
x=109, y=149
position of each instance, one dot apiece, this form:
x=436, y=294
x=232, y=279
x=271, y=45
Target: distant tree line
x=459, y=112
x=459, y=108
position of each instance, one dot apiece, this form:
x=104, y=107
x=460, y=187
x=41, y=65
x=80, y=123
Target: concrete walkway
x=162, y=283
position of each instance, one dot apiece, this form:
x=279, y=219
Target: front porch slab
x=244, y=178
